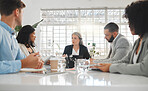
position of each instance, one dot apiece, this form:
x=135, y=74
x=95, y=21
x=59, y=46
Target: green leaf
x=17, y=28
x=94, y=51
x=93, y=44
x=36, y=24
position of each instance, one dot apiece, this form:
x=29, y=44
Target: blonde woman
x=77, y=48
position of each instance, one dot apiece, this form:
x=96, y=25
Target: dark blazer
x=83, y=52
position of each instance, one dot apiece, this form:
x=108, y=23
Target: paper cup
x=54, y=65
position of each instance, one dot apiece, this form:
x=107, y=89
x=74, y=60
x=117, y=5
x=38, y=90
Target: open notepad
x=32, y=70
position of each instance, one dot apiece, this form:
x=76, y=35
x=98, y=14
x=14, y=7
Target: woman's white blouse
x=74, y=52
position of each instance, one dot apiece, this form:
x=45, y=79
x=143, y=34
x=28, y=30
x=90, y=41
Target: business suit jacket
x=126, y=65
x=83, y=52
x=120, y=48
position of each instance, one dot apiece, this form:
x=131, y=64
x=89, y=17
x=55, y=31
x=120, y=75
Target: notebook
x=32, y=70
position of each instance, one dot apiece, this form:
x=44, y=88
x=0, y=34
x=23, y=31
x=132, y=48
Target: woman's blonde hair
x=79, y=36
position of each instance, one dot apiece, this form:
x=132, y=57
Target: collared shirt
x=74, y=52
x=114, y=40
x=116, y=37
x=135, y=56
x=10, y=53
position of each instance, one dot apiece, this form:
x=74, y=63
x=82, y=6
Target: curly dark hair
x=24, y=36
x=137, y=15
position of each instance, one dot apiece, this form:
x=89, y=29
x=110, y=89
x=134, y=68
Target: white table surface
x=70, y=81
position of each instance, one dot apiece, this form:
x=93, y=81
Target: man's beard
x=111, y=39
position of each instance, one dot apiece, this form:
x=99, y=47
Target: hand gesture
x=32, y=61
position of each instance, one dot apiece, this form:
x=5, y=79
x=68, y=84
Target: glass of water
x=82, y=65
x=61, y=64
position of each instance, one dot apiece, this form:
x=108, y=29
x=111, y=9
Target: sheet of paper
x=32, y=70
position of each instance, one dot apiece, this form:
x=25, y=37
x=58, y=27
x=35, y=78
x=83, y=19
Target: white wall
x=32, y=10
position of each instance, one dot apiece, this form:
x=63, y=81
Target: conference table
x=93, y=80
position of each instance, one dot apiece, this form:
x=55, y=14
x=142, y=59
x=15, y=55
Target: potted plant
x=92, y=49
x=17, y=28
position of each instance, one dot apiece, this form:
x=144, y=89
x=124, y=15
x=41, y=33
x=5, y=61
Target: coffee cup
x=54, y=65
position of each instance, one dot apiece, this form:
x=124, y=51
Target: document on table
x=32, y=70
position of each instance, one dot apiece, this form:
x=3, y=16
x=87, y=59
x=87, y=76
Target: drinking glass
x=61, y=64
x=82, y=65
